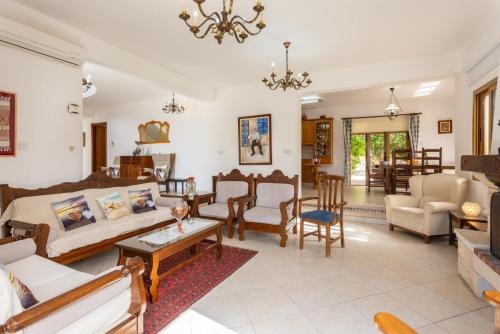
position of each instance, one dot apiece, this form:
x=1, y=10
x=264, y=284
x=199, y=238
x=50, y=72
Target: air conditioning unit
x=66, y=57
x=23, y=37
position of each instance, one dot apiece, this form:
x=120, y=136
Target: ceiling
x=115, y=87
x=326, y=34
x=406, y=91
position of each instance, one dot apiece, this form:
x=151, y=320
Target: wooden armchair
x=273, y=209
x=63, y=310
x=223, y=201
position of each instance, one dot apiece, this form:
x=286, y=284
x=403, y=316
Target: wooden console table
x=132, y=167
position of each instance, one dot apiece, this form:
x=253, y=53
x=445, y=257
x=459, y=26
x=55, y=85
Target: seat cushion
x=319, y=215
x=408, y=217
x=218, y=210
x=105, y=229
x=228, y=189
x=46, y=278
x=271, y=195
x=264, y=215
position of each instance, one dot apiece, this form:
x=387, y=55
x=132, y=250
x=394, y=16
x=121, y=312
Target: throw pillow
x=73, y=213
x=24, y=294
x=113, y=205
x=10, y=305
x=141, y=200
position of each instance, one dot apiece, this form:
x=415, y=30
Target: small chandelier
x=221, y=23
x=173, y=107
x=88, y=87
x=302, y=80
x=393, y=107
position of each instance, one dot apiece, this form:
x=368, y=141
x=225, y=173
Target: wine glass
x=179, y=210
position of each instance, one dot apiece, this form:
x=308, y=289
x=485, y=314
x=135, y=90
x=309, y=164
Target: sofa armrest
x=64, y=309
x=401, y=201
x=17, y=250
x=242, y=201
x=39, y=232
x=231, y=201
x=440, y=207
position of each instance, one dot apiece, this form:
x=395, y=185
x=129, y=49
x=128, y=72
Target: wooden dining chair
x=329, y=211
x=402, y=168
x=432, y=161
x=389, y=324
x=376, y=178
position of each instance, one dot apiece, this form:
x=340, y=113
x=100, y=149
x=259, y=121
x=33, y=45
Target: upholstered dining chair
x=223, y=201
x=273, y=209
x=329, y=211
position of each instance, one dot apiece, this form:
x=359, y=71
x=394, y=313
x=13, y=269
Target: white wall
x=205, y=137
x=44, y=88
x=432, y=111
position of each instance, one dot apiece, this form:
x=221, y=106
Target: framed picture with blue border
x=255, y=140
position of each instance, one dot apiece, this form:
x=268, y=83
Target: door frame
x=93, y=126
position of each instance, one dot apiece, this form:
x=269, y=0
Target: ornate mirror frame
x=144, y=134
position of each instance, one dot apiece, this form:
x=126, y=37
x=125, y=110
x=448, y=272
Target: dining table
x=390, y=185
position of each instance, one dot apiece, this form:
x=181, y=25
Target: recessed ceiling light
x=311, y=99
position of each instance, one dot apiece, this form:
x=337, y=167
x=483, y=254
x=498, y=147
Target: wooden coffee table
x=161, y=244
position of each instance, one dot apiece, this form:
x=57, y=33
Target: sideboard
x=132, y=167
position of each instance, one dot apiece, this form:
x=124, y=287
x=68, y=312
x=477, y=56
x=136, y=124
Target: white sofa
x=37, y=210
x=425, y=212
x=109, y=304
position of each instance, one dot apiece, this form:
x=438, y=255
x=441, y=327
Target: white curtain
x=347, y=149
x=414, y=130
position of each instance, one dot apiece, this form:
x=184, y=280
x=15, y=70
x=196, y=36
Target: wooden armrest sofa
x=69, y=301
x=28, y=213
x=273, y=209
x=223, y=201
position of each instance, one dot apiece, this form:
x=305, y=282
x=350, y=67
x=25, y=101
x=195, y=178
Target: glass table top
x=158, y=239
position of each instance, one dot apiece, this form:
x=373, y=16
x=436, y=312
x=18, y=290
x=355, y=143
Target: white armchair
x=425, y=212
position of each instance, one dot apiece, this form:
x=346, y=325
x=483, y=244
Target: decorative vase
x=191, y=187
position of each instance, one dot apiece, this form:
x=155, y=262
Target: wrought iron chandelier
x=224, y=22
x=173, y=107
x=393, y=107
x=302, y=80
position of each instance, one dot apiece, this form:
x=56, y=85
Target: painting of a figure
x=255, y=140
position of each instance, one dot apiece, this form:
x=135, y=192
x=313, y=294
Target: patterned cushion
x=24, y=294
x=141, y=200
x=73, y=212
x=113, y=205
x=319, y=215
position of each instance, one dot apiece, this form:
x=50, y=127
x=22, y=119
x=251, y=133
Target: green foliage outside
x=358, y=147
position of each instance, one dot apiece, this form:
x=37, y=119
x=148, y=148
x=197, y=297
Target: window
x=484, y=107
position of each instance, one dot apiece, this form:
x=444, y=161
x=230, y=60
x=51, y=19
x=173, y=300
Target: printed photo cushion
x=24, y=294
x=113, y=205
x=141, y=200
x=73, y=213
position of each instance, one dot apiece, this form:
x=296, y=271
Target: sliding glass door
x=369, y=149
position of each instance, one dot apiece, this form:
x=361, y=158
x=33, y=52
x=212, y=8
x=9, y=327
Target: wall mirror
x=154, y=132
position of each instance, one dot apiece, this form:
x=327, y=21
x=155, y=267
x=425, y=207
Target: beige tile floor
x=293, y=292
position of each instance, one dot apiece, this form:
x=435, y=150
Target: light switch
x=23, y=146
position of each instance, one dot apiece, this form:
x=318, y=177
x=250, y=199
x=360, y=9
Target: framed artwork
x=7, y=124
x=445, y=126
x=255, y=140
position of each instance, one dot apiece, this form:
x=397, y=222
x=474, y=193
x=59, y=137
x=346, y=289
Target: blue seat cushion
x=319, y=215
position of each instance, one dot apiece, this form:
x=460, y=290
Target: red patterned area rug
x=184, y=287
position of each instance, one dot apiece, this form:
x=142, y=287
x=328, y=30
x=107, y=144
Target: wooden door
x=307, y=132
x=99, y=143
